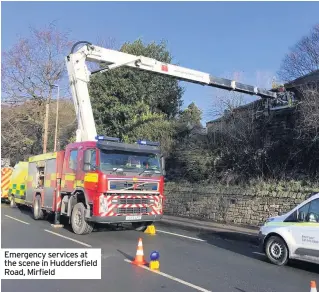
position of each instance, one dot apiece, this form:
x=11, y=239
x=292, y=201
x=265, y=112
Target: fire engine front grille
x=132, y=201
x=130, y=185
x=129, y=210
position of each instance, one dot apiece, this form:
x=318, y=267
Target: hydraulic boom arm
x=79, y=77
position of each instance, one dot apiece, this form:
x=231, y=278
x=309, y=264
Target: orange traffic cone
x=139, y=258
x=313, y=287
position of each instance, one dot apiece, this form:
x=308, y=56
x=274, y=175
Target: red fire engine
x=98, y=182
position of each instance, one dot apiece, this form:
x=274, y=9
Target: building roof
x=249, y=105
x=309, y=78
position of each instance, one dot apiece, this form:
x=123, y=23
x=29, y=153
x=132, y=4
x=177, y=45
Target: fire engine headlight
x=114, y=201
x=152, y=201
x=103, y=205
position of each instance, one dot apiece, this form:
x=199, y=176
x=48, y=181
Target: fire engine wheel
x=37, y=211
x=78, y=223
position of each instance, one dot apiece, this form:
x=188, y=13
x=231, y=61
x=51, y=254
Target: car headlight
x=269, y=220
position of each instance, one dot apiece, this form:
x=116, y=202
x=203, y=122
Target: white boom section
x=79, y=77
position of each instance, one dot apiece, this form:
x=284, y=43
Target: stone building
x=273, y=114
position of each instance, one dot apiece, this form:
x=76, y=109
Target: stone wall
x=249, y=206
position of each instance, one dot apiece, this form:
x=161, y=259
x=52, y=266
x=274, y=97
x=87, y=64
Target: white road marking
x=172, y=278
x=17, y=219
x=180, y=235
x=69, y=238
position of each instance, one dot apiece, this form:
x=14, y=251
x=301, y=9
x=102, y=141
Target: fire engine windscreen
x=111, y=160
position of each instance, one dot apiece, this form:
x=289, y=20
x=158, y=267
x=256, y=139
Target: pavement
x=248, y=234
x=190, y=260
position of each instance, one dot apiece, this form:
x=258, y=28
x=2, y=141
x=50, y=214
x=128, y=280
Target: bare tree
x=303, y=58
x=237, y=136
x=32, y=67
x=21, y=129
x=309, y=108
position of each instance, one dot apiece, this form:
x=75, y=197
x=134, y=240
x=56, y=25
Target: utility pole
x=46, y=125
x=46, y=120
x=56, y=118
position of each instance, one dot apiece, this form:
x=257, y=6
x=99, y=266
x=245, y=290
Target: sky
x=219, y=38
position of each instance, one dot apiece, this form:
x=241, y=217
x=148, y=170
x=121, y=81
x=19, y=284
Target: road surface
x=198, y=262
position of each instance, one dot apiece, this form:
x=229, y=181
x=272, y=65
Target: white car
x=294, y=235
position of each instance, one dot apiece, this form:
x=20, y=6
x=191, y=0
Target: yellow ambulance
x=18, y=184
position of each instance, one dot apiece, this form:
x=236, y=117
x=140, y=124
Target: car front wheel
x=277, y=251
